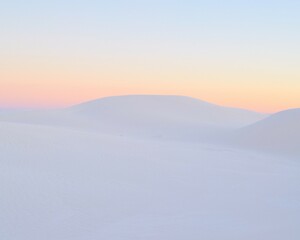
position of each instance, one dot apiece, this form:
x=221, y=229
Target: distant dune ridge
x=144, y=116
x=174, y=118
x=149, y=167
x=158, y=108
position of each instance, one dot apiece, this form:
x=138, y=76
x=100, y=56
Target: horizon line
x=16, y=107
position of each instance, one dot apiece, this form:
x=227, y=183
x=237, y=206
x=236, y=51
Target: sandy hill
x=173, y=117
x=279, y=133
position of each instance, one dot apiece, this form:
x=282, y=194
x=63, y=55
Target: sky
x=242, y=53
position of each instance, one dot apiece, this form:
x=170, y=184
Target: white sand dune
x=61, y=179
x=278, y=134
x=170, y=117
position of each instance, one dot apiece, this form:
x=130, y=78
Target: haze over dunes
x=143, y=115
x=172, y=118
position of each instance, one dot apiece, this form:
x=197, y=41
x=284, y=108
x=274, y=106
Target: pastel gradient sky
x=237, y=53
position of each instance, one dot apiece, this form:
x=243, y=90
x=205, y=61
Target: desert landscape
x=149, y=167
x=149, y=120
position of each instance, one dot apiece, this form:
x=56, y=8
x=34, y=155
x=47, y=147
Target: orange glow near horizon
x=39, y=85
x=56, y=95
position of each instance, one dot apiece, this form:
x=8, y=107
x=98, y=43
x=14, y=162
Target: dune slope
x=75, y=185
x=278, y=134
